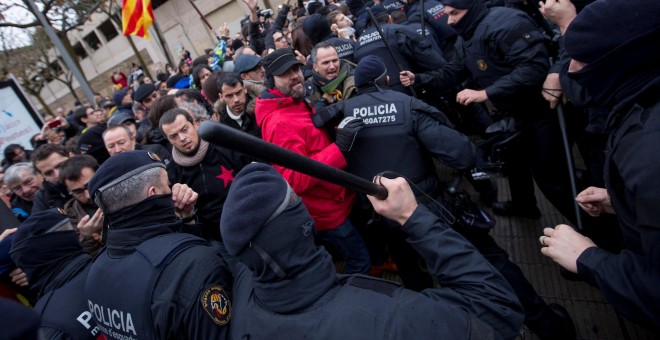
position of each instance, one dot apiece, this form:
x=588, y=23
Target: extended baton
x=235, y=139
x=389, y=48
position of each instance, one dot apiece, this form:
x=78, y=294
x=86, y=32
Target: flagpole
x=68, y=60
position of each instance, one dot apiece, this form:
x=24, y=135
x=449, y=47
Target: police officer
x=46, y=247
x=502, y=50
x=153, y=280
x=410, y=49
x=410, y=131
x=317, y=28
x=287, y=287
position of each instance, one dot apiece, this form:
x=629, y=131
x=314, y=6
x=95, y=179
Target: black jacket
x=211, y=179
x=50, y=196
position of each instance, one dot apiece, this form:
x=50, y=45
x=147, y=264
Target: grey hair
x=197, y=111
x=129, y=191
x=15, y=172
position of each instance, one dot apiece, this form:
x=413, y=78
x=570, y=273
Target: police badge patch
x=217, y=305
x=482, y=65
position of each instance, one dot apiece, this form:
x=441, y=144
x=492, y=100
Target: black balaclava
x=41, y=253
x=477, y=10
x=622, y=56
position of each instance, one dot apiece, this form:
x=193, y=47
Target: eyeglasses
x=150, y=98
x=79, y=191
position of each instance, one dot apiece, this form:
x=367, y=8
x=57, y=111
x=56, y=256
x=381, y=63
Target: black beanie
x=143, y=92
x=368, y=69
x=316, y=27
x=257, y=195
x=605, y=25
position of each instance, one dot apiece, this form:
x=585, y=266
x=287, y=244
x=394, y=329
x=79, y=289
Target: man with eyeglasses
x=46, y=248
x=75, y=173
x=47, y=160
x=24, y=182
x=285, y=120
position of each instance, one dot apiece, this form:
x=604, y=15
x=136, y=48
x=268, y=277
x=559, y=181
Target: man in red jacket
x=285, y=120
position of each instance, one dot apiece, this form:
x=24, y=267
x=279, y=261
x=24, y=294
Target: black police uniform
x=413, y=51
x=64, y=312
x=505, y=56
x=399, y=134
x=173, y=285
x=316, y=302
x=435, y=18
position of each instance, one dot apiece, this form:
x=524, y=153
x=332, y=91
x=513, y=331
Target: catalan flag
x=137, y=16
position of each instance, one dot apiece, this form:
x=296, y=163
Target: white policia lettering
x=112, y=317
x=382, y=109
x=84, y=319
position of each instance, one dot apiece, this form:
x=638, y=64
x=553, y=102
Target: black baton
x=221, y=134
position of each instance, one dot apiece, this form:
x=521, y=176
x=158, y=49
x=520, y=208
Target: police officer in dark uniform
x=435, y=19
x=410, y=130
x=153, y=280
x=410, y=49
x=317, y=29
x=503, y=51
x=287, y=287
x=46, y=248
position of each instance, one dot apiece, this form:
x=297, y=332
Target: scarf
x=331, y=86
x=183, y=160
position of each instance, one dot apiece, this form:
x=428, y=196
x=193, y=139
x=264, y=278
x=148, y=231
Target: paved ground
x=593, y=317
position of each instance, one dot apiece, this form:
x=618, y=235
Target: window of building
x=108, y=30
x=156, y=3
x=92, y=40
x=54, y=70
x=79, y=50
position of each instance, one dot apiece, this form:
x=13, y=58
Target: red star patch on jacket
x=227, y=175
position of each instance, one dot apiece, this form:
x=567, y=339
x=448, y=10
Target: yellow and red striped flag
x=136, y=17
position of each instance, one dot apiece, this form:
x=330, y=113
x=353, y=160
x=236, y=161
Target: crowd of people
x=132, y=226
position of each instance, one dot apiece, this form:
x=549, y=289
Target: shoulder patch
x=216, y=304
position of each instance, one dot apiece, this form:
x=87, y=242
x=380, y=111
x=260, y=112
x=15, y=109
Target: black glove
x=346, y=132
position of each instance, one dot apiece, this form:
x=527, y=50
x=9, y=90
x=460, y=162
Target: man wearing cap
x=251, y=71
x=46, y=248
x=172, y=284
x=145, y=95
x=287, y=287
x=410, y=49
x=332, y=78
x=617, y=64
x=285, y=120
x=412, y=131
x=236, y=104
x=119, y=138
x=124, y=100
